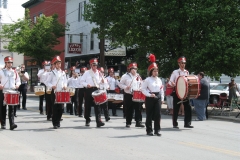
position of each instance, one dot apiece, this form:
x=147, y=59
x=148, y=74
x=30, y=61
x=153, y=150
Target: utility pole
x=102, y=56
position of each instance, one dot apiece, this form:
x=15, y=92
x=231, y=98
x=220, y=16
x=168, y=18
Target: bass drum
x=187, y=87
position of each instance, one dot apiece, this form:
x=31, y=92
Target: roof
x=31, y=3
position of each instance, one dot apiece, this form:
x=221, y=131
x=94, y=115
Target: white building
x=9, y=14
x=80, y=33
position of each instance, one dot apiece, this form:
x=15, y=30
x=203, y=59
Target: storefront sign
x=74, y=48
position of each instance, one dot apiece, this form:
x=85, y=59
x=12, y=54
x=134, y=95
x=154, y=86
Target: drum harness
x=131, y=91
x=5, y=74
x=58, y=78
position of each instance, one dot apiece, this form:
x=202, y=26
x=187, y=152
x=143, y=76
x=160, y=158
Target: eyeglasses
x=94, y=65
x=183, y=63
x=135, y=68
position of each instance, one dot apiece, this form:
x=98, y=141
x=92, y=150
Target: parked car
x=217, y=90
x=213, y=85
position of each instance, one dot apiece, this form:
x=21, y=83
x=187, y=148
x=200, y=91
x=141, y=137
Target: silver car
x=217, y=90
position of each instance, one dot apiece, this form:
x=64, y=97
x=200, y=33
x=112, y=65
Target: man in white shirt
x=81, y=91
x=176, y=105
x=24, y=77
x=9, y=81
x=49, y=97
x=91, y=80
x=42, y=76
x=57, y=81
x=129, y=82
x=113, y=84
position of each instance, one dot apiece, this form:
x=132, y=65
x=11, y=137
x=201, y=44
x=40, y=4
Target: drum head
x=98, y=92
x=181, y=87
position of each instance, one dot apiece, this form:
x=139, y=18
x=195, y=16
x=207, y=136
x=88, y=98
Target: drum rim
x=187, y=88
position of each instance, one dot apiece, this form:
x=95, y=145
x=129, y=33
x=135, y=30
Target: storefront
x=32, y=69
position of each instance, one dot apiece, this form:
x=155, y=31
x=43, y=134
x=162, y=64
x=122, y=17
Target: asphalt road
x=35, y=139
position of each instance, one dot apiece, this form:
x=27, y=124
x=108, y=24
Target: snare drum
x=187, y=87
x=71, y=90
x=118, y=98
x=62, y=97
x=100, y=96
x=39, y=90
x=11, y=97
x=48, y=90
x=138, y=96
x=111, y=96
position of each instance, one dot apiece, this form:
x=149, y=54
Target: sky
x=13, y=12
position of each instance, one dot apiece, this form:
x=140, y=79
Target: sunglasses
x=9, y=62
x=183, y=63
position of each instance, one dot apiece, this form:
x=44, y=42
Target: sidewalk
x=231, y=118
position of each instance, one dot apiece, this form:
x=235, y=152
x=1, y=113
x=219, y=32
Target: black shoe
x=71, y=113
x=80, y=115
x=176, y=127
x=13, y=126
x=115, y=115
x=24, y=108
x=139, y=124
x=157, y=133
x=100, y=124
x=87, y=124
x=55, y=127
x=41, y=113
x=3, y=127
x=61, y=119
x=58, y=126
x=107, y=119
x=188, y=126
x=149, y=133
x=15, y=115
x=49, y=119
x=128, y=125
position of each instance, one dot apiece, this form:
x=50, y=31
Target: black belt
x=156, y=93
x=92, y=88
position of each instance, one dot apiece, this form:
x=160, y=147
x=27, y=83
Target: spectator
x=201, y=102
x=233, y=88
x=169, y=98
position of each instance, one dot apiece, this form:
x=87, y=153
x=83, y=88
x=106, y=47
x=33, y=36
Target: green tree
x=206, y=32
x=36, y=40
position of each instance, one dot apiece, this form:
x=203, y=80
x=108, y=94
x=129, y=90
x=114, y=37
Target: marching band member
x=152, y=88
x=104, y=86
x=24, y=77
x=57, y=81
x=113, y=85
x=72, y=82
x=127, y=82
x=81, y=91
x=9, y=81
x=42, y=75
x=49, y=97
x=91, y=80
x=176, y=105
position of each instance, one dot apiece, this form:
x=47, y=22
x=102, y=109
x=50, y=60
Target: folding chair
x=232, y=106
x=222, y=102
